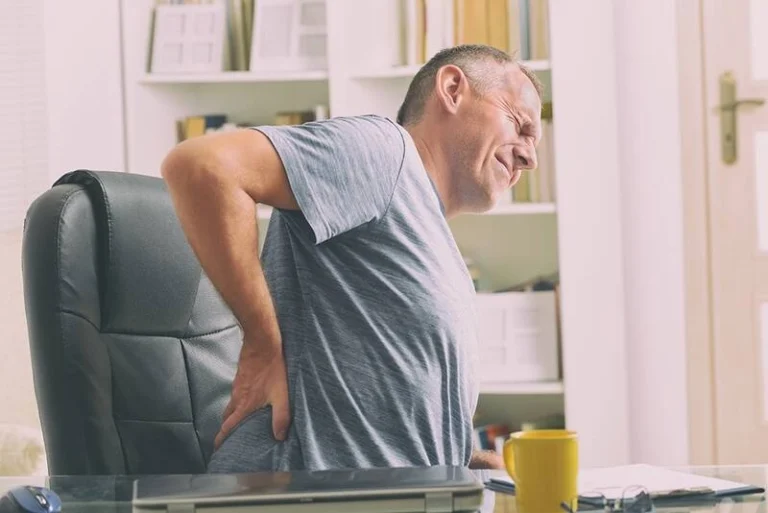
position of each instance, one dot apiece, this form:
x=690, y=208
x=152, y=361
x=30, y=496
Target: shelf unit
x=541, y=388
x=520, y=209
x=579, y=236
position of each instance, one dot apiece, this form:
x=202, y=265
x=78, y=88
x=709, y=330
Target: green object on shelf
x=546, y=111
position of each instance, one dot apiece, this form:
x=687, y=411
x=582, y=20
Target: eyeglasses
x=634, y=499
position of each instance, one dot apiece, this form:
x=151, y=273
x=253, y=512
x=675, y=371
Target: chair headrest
x=148, y=274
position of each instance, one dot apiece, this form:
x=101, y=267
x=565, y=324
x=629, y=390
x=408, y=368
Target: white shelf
x=229, y=77
x=396, y=72
x=410, y=71
x=543, y=388
x=520, y=209
x=537, y=65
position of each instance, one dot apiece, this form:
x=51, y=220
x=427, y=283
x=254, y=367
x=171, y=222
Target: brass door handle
x=728, y=120
x=755, y=102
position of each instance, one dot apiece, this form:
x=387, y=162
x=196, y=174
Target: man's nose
x=525, y=157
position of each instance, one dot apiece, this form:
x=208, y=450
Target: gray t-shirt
x=375, y=307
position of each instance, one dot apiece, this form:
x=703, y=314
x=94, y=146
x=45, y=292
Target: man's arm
x=486, y=460
x=216, y=182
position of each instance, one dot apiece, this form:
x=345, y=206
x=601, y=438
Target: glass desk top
x=114, y=493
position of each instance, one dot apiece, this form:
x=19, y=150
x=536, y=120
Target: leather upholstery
x=133, y=350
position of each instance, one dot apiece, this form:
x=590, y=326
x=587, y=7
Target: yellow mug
x=544, y=465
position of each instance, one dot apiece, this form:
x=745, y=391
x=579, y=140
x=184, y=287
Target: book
x=194, y=126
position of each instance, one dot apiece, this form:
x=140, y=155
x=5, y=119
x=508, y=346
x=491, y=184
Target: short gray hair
x=470, y=59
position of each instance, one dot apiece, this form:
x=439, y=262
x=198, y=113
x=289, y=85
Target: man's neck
x=436, y=167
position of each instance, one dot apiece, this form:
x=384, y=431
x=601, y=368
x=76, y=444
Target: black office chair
x=133, y=350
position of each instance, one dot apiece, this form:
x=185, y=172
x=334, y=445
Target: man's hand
x=260, y=380
x=486, y=460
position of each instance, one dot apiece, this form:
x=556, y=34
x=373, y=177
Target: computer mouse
x=30, y=499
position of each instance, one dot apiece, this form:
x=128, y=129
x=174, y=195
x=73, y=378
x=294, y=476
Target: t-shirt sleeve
x=342, y=171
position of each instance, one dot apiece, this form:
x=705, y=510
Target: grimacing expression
x=503, y=129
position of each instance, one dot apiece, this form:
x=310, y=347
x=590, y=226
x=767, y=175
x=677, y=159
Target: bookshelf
x=577, y=234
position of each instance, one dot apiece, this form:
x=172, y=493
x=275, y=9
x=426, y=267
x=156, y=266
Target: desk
x=112, y=494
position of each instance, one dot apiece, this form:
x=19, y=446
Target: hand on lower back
x=261, y=380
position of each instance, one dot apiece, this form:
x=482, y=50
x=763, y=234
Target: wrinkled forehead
x=521, y=93
x=521, y=99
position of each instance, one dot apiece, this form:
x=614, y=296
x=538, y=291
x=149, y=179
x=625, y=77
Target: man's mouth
x=512, y=174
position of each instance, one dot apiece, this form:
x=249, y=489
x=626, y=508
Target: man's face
x=497, y=134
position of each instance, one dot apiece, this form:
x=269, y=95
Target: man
x=358, y=321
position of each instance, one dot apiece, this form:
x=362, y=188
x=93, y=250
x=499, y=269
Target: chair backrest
x=133, y=350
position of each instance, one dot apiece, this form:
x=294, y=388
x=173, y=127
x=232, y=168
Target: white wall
x=84, y=81
x=17, y=400
x=85, y=130
x=652, y=227
x=590, y=228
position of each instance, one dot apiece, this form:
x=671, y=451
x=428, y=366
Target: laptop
x=380, y=490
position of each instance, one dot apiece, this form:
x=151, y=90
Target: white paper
x=612, y=481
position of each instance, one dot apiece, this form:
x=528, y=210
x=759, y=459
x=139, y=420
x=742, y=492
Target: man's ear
x=452, y=86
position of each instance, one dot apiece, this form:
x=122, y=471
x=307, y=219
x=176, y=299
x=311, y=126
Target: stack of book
x=490, y=437
x=196, y=125
x=520, y=27
x=320, y=112
x=193, y=126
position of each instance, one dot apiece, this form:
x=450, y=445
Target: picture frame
x=289, y=35
x=189, y=39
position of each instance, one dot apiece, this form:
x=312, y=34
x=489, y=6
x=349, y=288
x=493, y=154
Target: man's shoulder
x=342, y=133
x=363, y=124
x=348, y=121
x=374, y=119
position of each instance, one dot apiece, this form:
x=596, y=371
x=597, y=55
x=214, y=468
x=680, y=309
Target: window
x=23, y=121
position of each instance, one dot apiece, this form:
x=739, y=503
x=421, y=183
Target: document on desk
x=660, y=482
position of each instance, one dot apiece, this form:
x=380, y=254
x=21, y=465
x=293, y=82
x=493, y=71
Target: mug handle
x=509, y=459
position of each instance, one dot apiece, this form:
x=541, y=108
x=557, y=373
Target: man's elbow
x=178, y=166
x=227, y=162
x=187, y=169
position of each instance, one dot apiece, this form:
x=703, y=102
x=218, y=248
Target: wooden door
x=735, y=40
